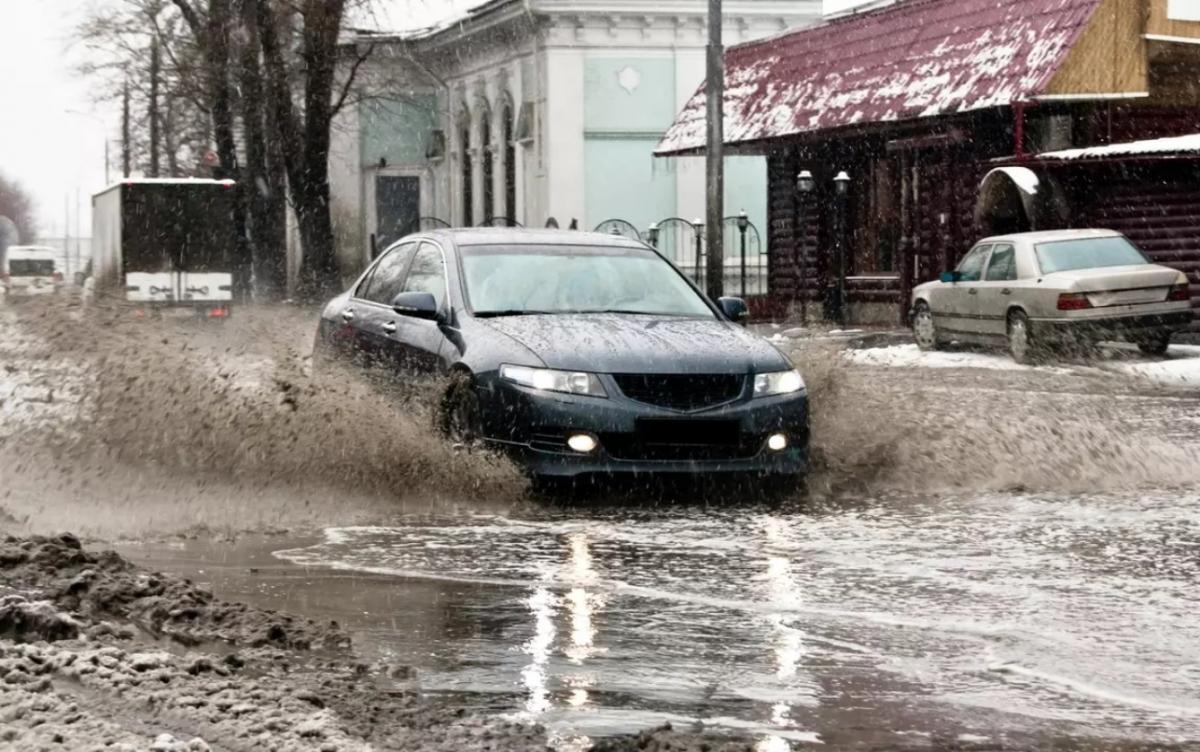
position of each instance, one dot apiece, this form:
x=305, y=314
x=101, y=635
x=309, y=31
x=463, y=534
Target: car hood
x=618, y=343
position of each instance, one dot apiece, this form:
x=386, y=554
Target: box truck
x=165, y=245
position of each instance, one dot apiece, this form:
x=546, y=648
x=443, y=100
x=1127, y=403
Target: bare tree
x=304, y=121
x=18, y=206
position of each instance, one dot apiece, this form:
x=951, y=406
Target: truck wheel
x=924, y=330
x=1155, y=345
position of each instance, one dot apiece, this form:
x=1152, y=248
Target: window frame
x=365, y=283
x=987, y=270
x=420, y=244
x=984, y=250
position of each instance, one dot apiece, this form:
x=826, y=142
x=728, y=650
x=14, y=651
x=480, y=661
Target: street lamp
x=743, y=224
x=699, y=225
x=805, y=184
x=837, y=291
x=652, y=234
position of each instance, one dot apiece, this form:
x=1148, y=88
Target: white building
x=528, y=111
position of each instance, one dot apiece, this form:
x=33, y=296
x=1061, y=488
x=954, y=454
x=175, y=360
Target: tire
x=459, y=417
x=1020, y=340
x=1155, y=345
x=924, y=330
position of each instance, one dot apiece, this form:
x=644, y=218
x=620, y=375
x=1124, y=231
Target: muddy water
x=1006, y=616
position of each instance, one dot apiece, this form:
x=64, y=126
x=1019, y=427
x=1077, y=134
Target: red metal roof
x=917, y=58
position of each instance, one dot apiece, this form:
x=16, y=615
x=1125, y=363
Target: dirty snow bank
x=911, y=356
x=98, y=654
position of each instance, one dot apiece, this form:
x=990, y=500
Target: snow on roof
x=413, y=18
x=917, y=58
x=1189, y=144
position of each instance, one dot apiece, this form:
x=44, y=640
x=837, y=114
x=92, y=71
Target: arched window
x=487, y=154
x=468, y=170
x=510, y=163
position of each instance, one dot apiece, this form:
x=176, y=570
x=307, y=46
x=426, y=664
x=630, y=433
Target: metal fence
x=619, y=227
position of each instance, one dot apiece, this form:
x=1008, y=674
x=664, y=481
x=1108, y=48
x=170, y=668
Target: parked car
x=579, y=354
x=27, y=271
x=1040, y=290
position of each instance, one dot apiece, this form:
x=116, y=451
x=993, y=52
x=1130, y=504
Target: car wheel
x=1020, y=340
x=924, y=330
x=1155, y=345
x=460, y=417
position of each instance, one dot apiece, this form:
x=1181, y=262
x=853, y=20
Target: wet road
x=1013, y=616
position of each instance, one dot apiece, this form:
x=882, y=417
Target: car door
x=954, y=308
x=370, y=310
x=418, y=343
x=996, y=290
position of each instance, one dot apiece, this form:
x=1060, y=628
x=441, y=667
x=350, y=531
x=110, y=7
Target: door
x=397, y=207
x=418, y=343
x=371, y=312
x=996, y=290
x=954, y=305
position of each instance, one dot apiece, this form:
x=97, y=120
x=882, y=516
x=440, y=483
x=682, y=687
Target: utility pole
x=155, y=72
x=715, y=153
x=125, y=145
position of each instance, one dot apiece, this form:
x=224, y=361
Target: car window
x=1003, y=266
x=428, y=273
x=383, y=283
x=971, y=268
x=1088, y=253
x=506, y=280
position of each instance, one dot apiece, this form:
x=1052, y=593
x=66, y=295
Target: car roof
x=1049, y=236
x=468, y=236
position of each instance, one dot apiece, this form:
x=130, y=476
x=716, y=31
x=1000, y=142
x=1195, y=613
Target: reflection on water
x=994, y=614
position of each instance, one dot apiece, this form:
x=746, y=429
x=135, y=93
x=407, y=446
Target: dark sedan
x=578, y=354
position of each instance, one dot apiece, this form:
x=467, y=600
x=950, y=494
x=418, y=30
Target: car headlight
x=549, y=380
x=780, y=382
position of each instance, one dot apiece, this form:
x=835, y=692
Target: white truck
x=29, y=270
x=164, y=245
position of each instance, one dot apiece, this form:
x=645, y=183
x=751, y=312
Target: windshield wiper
x=512, y=312
x=633, y=313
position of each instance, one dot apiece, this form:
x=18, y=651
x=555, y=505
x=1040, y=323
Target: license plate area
x=659, y=432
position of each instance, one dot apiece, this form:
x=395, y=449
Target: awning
x=918, y=58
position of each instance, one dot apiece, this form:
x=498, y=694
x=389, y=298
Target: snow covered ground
x=1180, y=367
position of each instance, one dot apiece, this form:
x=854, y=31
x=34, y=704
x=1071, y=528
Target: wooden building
x=959, y=118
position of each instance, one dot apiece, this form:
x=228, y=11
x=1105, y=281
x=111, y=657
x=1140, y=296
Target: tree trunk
x=265, y=183
x=305, y=142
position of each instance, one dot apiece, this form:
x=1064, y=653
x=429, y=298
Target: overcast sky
x=58, y=154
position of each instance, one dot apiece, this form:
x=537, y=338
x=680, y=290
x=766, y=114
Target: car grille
x=681, y=391
x=681, y=440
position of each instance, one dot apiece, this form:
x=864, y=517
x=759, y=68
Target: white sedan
x=1042, y=289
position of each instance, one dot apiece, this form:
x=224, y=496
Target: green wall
x=398, y=129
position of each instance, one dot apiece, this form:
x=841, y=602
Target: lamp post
x=804, y=186
x=652, y=234
x=743, y=224
x=837, y=290
x=699, y=225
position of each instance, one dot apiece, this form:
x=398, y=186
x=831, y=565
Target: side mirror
x=735, y=309
x=951, y=278
x=419, y=305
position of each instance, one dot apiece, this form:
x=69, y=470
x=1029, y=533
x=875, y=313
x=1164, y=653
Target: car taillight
x=218, y=313
x=1073, y=301
x=1180, y=293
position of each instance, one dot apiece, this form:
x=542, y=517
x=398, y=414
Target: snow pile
x=1172, y=145
x=1182, y=368
x=911, y=356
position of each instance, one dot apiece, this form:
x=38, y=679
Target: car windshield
x=516, y=280
x=1087, y=253
x=31, y=267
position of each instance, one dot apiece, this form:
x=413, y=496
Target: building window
x=487, y=154
x=1183, y=10
x=510, y=164
x=468, y=170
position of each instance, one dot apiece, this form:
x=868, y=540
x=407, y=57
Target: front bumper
x=532, y=426
x=1096, y=328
